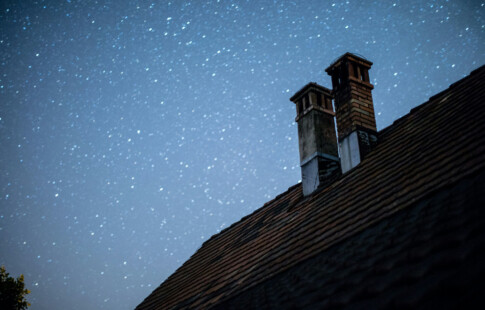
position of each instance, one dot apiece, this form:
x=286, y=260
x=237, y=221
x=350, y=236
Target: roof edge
x=432, y=98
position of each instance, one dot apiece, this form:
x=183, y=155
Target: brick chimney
x=316, y=134
x=356, y=123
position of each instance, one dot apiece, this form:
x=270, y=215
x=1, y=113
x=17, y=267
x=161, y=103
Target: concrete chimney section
x=317, y=138
x=356, y=124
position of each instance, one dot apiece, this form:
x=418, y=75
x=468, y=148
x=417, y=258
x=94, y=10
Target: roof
x=411, y=259
x=410, y=208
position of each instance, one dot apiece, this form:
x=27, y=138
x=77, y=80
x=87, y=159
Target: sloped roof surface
x=436, y=146
x=430, y=256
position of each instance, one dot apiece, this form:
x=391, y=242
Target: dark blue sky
x=132, y=131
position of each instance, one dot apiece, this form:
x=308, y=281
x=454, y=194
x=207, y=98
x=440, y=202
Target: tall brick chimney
x=316, y=134
x=356, y=123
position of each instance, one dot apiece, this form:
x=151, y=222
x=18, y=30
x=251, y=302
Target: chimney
x=356, y=123
x=316, y=134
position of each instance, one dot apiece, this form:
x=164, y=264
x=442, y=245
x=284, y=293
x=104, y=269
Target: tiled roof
x=430, y=255
x=412, y=188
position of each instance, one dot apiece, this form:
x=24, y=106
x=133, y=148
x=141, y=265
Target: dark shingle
x=401, y=229
x=408, y=259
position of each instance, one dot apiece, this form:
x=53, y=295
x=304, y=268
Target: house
x=388, y=219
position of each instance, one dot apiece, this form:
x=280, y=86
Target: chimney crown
x=349, y=66
x=312, y=96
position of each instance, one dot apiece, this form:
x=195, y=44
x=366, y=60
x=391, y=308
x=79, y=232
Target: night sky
x=132, y=131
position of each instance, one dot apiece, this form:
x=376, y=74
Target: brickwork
x=353, y=95
x=354, y=109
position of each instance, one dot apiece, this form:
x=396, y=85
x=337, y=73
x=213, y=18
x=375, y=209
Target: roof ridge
x=260, y=209
x=432, y=98
x=482, y=67
x=225, y=230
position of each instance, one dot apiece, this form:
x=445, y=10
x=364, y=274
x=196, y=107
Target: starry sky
x=132, y=131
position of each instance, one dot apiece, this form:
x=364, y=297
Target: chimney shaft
x=316, y=134
x=356, y=124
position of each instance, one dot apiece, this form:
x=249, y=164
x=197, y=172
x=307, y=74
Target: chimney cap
x=307, y=88
x=350, y=56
